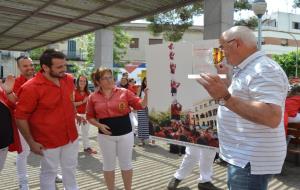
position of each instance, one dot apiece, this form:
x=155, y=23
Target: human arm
x=35, y=147
x=8, y=86
x=268, y=114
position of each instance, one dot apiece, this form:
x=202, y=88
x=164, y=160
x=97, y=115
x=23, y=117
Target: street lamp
x=259, y=8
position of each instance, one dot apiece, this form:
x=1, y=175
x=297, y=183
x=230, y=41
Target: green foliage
x=252, y=22
x=241, y=5
x=160, y=118
x=121, y=43
x=36, y=53
x=288, y=62
x=174, y=23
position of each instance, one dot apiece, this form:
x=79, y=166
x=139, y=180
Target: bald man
x=250, y=116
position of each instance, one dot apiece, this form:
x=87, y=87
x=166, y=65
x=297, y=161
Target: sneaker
x=58, y=179
x=173, y=184
x=90, y=151
x=207, y=186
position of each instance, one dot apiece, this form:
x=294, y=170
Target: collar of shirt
x=248, y=60
x=113, y=91
x=41, y=79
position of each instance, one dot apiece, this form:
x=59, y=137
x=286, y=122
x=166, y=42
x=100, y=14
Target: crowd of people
x=43, y=112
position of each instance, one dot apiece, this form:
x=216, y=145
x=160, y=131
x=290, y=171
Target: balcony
x=76, y=55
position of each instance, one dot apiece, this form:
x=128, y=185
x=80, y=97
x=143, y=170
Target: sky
x=272, y=6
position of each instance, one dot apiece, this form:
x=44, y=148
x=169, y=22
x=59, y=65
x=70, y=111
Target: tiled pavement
x=153, y=168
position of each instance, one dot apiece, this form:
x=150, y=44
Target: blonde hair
x=243, y=33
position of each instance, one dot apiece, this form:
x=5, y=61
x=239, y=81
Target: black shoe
x=207, y=186
x=173, y=183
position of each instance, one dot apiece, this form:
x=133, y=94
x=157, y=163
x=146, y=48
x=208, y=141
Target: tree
x=288, y=62
x=174, y=23
x=121, y=43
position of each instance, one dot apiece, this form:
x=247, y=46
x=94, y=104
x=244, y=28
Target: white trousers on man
x=66, y=156
x=83, y=129
x=194, y=156
x=3, y=155
x=21, y=161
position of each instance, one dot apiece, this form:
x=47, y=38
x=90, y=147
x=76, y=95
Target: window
x=155, y=41
x=296, y=25
x=71, y=48
x=201, y=106
x=134, y=43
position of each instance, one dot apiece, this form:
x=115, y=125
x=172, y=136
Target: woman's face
x=82, y=82
x=107, y=81
x=124, y=81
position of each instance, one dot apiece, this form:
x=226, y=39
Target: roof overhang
x=29, y=24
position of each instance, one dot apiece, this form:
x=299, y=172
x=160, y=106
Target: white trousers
x=116, y=146
x=294, y=119
x=193, y=156
x=3, y=154
x=84, y=128
x=21, y=161
x=65, y=156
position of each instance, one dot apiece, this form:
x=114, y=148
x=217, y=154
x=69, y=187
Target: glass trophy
x=205, y=60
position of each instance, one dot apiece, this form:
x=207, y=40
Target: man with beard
x=45, y=116
x=26, y=69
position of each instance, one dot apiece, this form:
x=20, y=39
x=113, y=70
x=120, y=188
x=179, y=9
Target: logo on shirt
x=122, y=106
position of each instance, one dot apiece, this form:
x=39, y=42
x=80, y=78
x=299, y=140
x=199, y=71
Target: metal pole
x=296, y=65
x=259, y=33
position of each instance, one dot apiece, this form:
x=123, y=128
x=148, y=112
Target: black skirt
x=118, y=125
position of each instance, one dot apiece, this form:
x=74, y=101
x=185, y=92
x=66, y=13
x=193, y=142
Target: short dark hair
x=21, y=57
x=48, y=55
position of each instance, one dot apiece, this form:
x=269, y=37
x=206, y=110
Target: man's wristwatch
x=223, y=100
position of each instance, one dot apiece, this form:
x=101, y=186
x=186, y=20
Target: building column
x=104, y=48
x=218, y=17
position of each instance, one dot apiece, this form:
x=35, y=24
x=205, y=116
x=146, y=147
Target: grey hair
x=242, y=33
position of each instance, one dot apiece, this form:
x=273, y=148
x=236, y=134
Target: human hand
x=36, y=148
x=8, y=85
x=105, y=129
x=213, y=84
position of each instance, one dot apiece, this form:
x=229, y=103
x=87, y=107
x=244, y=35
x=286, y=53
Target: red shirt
x=292, y=107
x=16, y=145
x=176, y=109
x=78, y=98
x=49, y=110
x=18, y=83
x=100, y=107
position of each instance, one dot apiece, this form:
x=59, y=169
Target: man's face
x=26, y=67
x=58, y=68
x=229, y=47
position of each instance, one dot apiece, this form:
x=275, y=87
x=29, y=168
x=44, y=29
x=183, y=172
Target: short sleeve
x=134, y=101
x=90, y=108
x=27, y=102
x=269, y=87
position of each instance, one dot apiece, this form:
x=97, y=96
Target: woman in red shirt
x=108, y=109
x=81, y=95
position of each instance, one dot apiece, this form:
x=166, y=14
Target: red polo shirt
x=100, y=107
x=18, y=83
x=49, y=110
